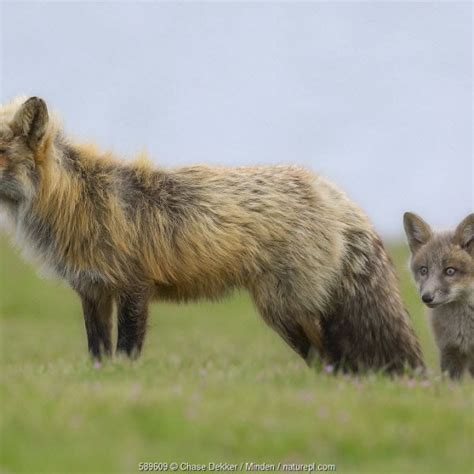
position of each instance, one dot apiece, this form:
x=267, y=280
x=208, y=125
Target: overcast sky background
x=376, y=96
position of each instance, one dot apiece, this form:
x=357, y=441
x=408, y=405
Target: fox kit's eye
x=450, y=271
x=423, y=270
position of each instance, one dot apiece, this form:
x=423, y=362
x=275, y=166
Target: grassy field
x=213, y=385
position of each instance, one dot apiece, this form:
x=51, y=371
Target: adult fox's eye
x=450, y=271
x=423, y=270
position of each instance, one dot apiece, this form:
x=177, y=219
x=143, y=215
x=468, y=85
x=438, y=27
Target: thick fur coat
x=443, y=267
x=131, y=232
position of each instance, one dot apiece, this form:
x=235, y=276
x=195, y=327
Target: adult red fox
x=132, y=232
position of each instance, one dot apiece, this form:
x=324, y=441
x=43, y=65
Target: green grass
x=214, y=384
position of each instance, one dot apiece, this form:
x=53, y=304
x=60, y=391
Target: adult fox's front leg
x=97, y=309
x=132, y=311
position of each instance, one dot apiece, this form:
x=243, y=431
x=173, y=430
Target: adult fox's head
x=24, y=140
x=442, y=263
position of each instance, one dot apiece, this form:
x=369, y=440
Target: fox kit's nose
x=427, y=297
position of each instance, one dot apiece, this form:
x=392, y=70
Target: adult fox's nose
x=427, y=297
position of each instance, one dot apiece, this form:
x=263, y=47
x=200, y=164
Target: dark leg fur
x=315, y=356
x=296, y=339
x=98, y=321
x=453, y=362
x=132, y=323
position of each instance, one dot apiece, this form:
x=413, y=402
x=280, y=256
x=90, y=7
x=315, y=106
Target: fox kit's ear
x=464, y=234
x=417, y=230
x=31, y=121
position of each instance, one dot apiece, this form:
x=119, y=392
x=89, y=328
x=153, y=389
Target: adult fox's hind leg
x=471, y=363
x=278, y=312
x=312, y=327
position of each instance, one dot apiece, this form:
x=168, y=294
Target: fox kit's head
x=442, y=263
x=24, y=140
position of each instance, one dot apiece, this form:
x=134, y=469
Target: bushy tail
x=368, y=326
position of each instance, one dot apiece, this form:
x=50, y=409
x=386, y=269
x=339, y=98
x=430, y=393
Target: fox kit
x=443, y=267
x=130, y=232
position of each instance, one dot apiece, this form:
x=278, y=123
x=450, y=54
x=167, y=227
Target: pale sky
x=376, y=96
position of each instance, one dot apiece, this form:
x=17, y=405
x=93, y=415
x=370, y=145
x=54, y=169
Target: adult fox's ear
x=31, y=121
x=417, y=230
x=464, y=234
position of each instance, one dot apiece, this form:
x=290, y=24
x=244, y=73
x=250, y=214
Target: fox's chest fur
x=453, y=325
x=38, y=245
